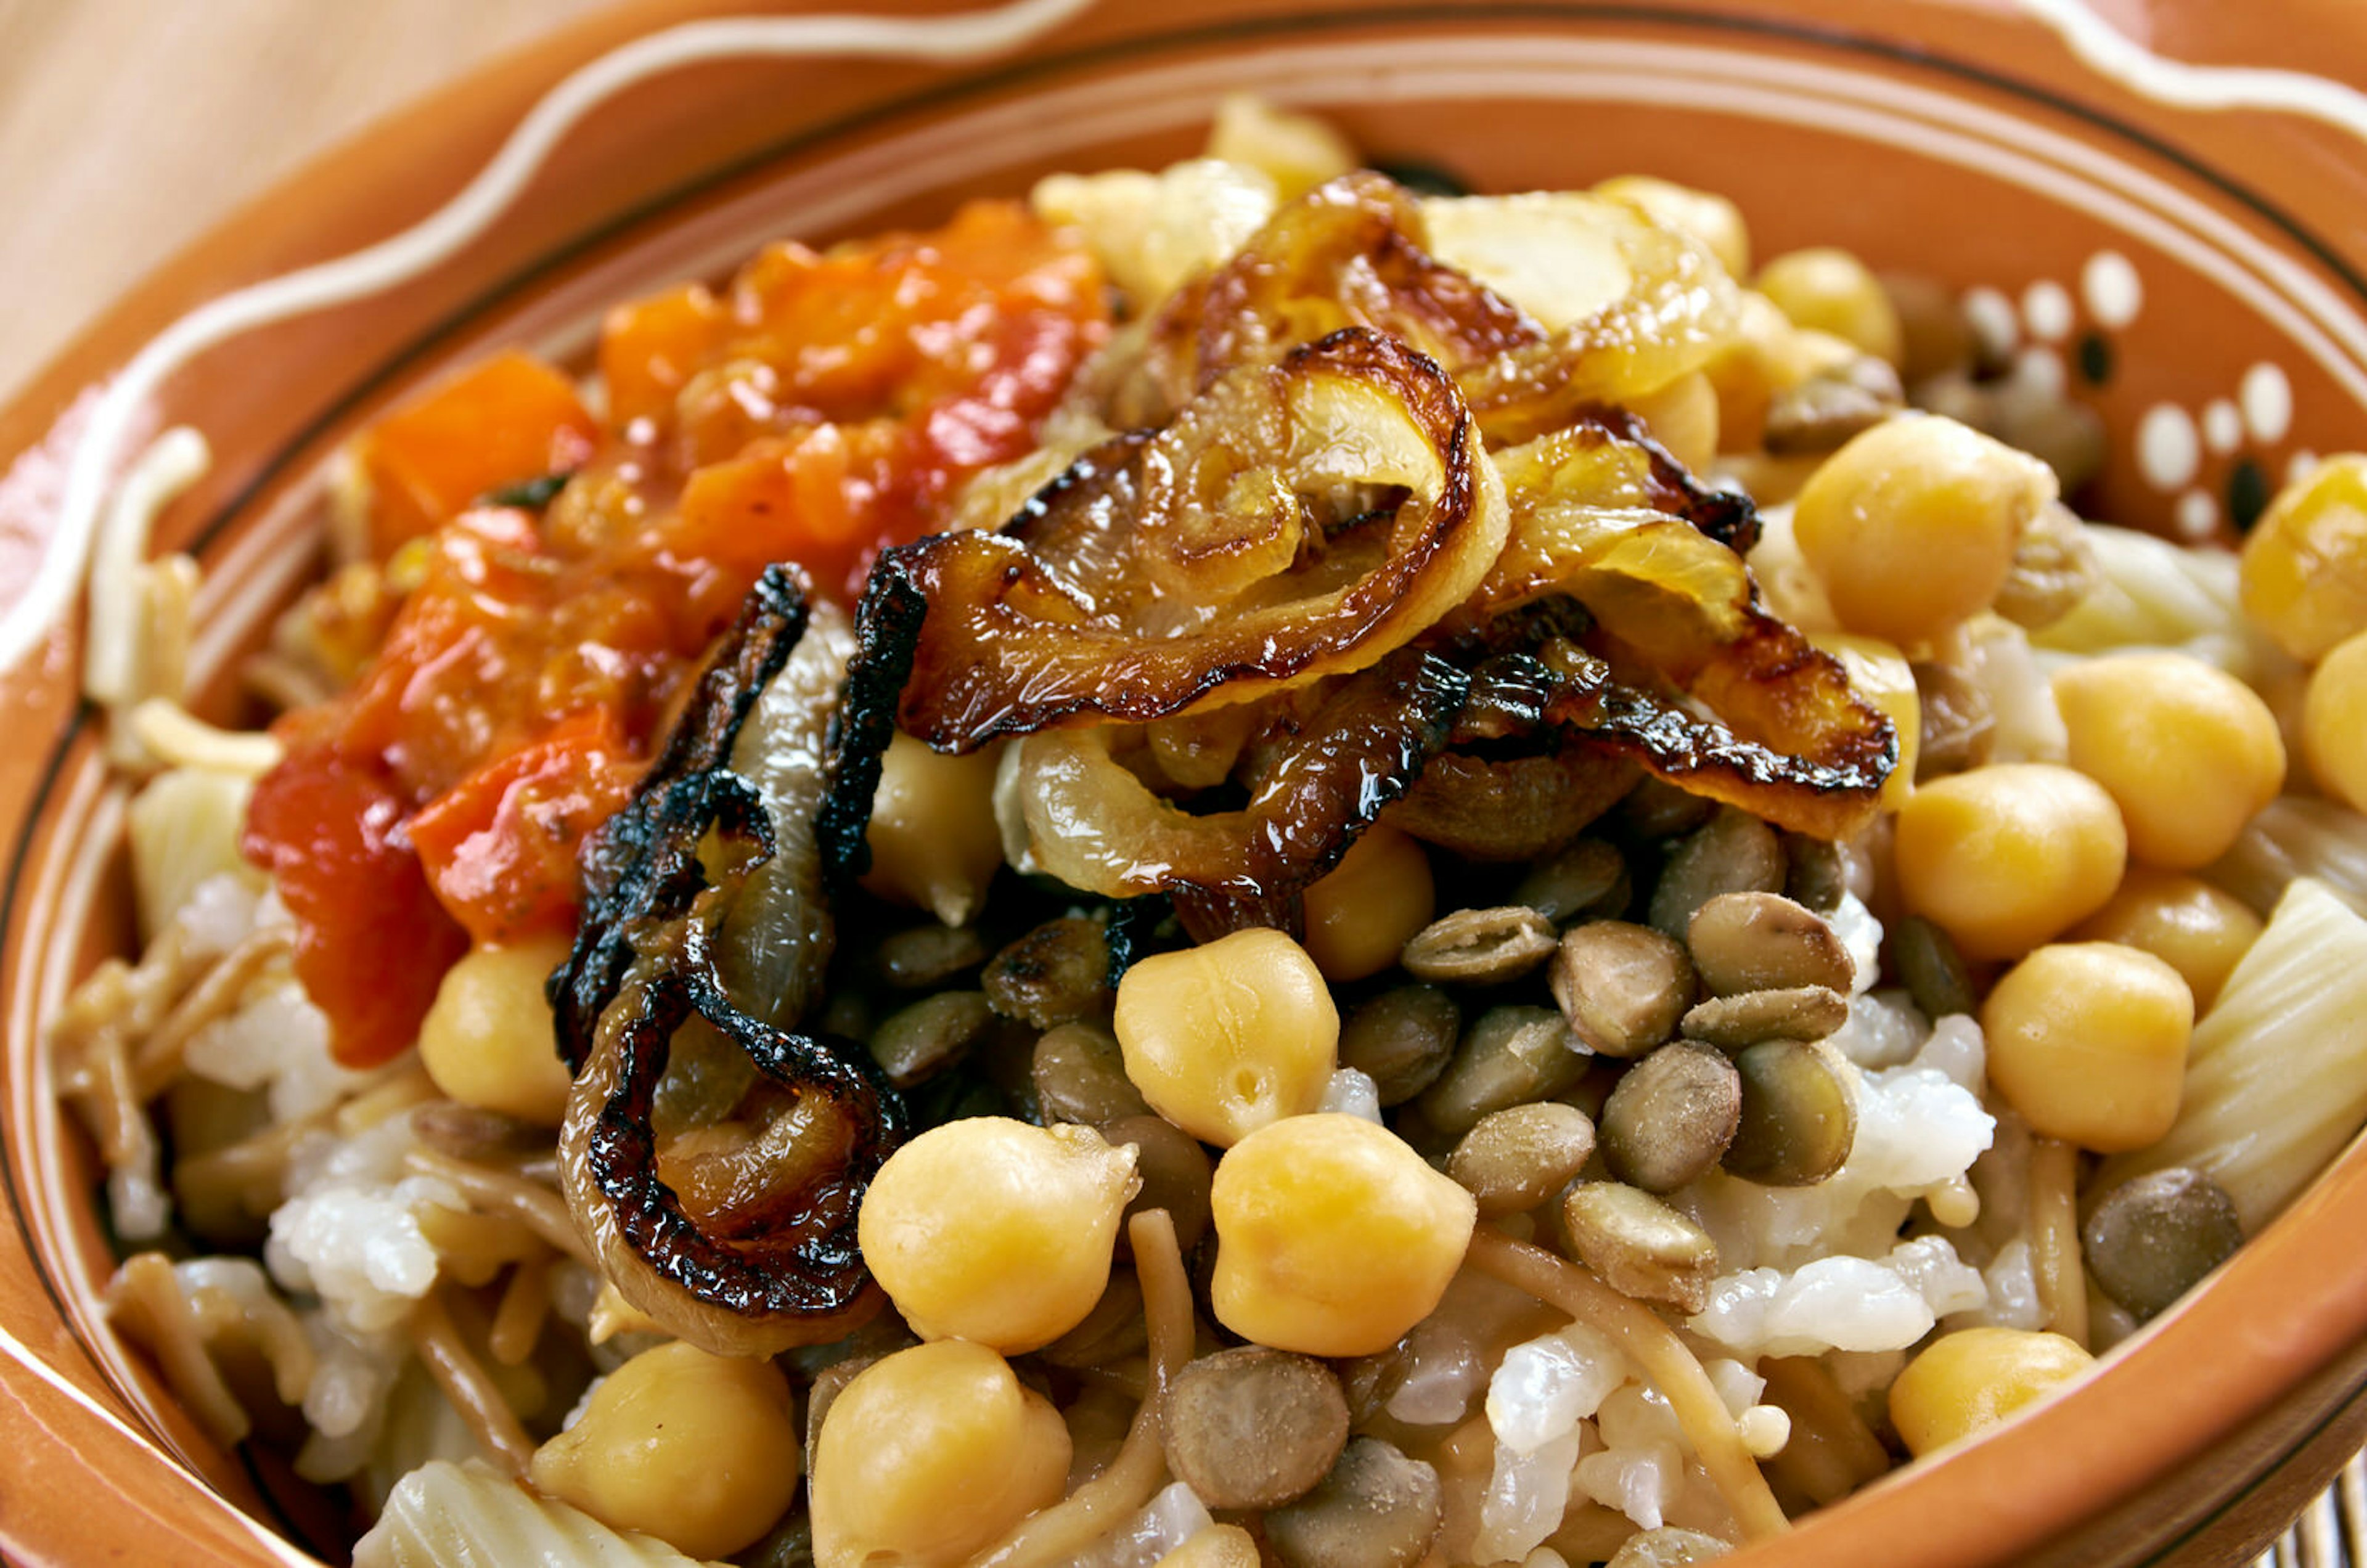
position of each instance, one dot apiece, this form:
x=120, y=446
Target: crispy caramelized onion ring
x=1095, y=826
x=776, y=1265
x=1357, y=251
x=1166, y=574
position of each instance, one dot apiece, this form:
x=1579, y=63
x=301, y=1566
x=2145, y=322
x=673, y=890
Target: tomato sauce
x=823, y=407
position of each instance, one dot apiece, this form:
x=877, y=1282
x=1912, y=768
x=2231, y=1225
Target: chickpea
x=488, y=1039
x=1333, y=1238
x=2005, y=858
x=1911, y=526
x=1881, y=675
x=1227, y=1037
x=2187, y=752
x=1973, y=1379
x=932, y=836
x=2334, y=723
x=2088, y=1040
x=698, y=1450
x=996, y=1231
x=1707, y=216
x=2304, y=571
x=2189, y=925
x=929, y=1456
x=1362, y=913
x=1832, y=291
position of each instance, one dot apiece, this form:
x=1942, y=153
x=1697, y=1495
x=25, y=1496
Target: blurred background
x=127, y=127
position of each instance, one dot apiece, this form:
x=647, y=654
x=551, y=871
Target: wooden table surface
x=127, y=127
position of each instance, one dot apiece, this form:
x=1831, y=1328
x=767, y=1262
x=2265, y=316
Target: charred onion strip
x=1168, y=573
x=781, y=1268
x=1826, y=789
x=1094, y=825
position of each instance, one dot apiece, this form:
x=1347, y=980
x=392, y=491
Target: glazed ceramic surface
x=2198, y=274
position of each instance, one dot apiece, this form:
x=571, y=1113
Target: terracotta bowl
x=2198, y=274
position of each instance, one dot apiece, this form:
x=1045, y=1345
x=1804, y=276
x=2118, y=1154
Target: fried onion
x=1653, y=304
x=1168, y=573
x=739, y=1236
x=1094, y=825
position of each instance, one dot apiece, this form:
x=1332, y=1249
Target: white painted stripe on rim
x=25, y=1356
x=2182, y=84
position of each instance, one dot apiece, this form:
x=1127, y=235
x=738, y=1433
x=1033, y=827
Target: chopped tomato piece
x=649, y=347
x=501, y=423
x=824, y=406
x=822, y=497
x=371, y=942
x=499, y=847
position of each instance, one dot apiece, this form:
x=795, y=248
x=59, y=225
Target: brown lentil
x=1733, y=853
x=1517, y=1158
x=1672, y=1117
x=1174, y=1172
x=1253, y=1428
x=1816, y=873
x=921, y=957
x=1759, y=942
x=2153, y=1238
x=1588, y=880
x=1796, y=1012
x=922, y=1038
x=1114, y=1330
x=1799, y=1115
x=1511, y=1057
x=1933, y=334
x=1058, y=972
x=1930, y=966
x=1479, y=947
x=1655, y=809
x=1401, y=1039
x=1376, y=1509
x=1080, y=1075
x=2053, y=569
x=1819, y=414
x=1957, y=723
x=1622, y=986
x=1639, y=1246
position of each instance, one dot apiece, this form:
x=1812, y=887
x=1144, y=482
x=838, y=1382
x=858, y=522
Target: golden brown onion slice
x=1184, y=570
x=1093, y=823
x=1627, y=305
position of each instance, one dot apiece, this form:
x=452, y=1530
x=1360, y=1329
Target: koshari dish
x=1239, y=866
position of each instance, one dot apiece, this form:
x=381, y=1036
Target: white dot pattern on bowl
x=2197, y=514
x=1994, y=320
x=2110, y=285
x=2267, y=398
x=2047, y=310
x=2041, y=369
x=2298, y=465
x=2168, y=451
x=2223, y=427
